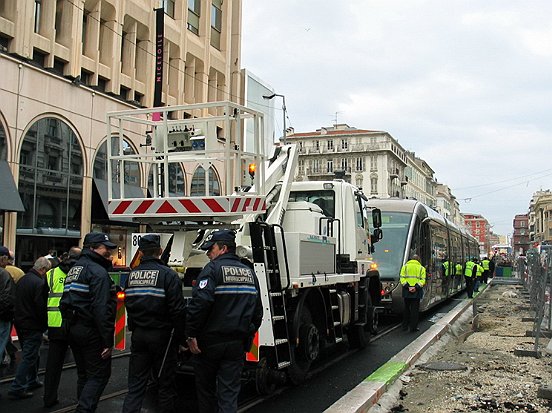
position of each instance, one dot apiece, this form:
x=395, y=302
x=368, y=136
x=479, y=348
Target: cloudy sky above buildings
x=464, y=84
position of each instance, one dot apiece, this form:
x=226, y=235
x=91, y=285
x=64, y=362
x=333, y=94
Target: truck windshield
x=390, y=249
x=325, y=199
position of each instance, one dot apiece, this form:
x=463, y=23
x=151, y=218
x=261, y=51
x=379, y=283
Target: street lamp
x=268, y=97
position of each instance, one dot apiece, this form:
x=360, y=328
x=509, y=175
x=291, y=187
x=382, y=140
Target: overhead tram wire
x=167, y=63
x=504, y=180
x=469, y=198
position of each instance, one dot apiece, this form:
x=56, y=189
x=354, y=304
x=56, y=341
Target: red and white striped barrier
x=187, y=207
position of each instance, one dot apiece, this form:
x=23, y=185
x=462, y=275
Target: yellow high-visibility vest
x=413, y=273
x=55, y=279
x=447, y=265
x=486, y=264
x=459, y=269
x=468, y=272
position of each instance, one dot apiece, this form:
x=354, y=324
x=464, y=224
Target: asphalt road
x=318, y=393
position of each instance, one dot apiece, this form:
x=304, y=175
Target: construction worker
x=413, y=279
x=469, y=275
x=478, y=275
x=156, y=315
x=222, y=318
x=57, y=330
x=486, y=263
x=88, y=305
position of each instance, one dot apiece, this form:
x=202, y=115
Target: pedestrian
x=7, y=300
x=88, y=306
x=58, y=338
x=492, y=265
x=222, y=318
x=155, y=308
x=485, y=263
x=469, y=275
x=31, y=320
x=15, y=272
x=413, y=279
x=447, y=271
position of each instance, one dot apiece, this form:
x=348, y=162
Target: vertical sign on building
x=159, y=42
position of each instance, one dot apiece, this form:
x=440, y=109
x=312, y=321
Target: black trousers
x=58, y=339
x=411, y=313
x=469, y=286
x=218, y=371
x=147, y=351
x=93, y=372
x=485, y=276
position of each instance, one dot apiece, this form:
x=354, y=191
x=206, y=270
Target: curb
x=368, y=392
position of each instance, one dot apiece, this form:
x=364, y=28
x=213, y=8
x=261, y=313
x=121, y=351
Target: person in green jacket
x=486, y=263
x=469, y=274
x=413, y=279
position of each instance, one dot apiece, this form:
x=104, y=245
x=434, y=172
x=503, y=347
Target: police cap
x=224, y=235
x=98, y=238
x=149, y=241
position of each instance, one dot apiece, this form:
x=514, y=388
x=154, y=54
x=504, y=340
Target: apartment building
x=420, y=183
x=541, y=216
x=447, y=205
x=480, y=228
x=64, y=65
x=372, y=160
x=520, y=236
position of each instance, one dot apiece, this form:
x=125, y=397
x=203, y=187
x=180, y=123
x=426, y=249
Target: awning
x=9, y=196
x=100, y=185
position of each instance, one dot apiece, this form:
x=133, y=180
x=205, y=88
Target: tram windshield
x=389, y=252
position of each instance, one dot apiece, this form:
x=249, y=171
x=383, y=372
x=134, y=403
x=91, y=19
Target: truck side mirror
x=376, y=218
x=376, y=236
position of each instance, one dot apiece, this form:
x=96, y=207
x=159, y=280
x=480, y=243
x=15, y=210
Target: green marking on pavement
x=388, y=372
x=482, y=288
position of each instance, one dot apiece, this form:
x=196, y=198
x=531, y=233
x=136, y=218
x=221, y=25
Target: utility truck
x=309, y=242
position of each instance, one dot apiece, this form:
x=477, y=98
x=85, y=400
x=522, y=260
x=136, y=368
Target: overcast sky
x=464, y=84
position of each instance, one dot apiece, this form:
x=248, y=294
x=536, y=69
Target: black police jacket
x=226, y=303
x=154, y=297
x=89, y=295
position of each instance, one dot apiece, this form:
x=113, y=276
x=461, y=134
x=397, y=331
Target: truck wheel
x=372, y=317
x=307, y=349
x=263, y=381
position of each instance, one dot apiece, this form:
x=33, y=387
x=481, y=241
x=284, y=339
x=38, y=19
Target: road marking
x=388, y=372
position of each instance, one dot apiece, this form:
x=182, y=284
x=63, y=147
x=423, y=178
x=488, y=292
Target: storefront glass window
x=50, y=180
x=177, y=182
x=198, y=183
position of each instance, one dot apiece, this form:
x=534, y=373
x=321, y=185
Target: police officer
x=222, y=318
x=88, y=305
x=58, y=339
x=155, y=307
x=413, y=279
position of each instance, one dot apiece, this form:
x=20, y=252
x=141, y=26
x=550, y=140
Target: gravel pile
x=494, y=379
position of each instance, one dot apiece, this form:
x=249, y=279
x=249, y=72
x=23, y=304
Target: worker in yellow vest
x=486, y=263
x=469, y=274
x=478, y=276
x=413, y=279
x=57, y=332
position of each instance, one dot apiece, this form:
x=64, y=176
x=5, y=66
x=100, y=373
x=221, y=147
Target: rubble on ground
x=495, y=380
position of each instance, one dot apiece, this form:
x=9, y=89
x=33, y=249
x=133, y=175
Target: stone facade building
x=520, y=237
x=64, y=65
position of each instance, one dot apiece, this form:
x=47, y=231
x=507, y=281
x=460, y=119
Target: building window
x=50, y=180
x=194, y=12
x=216, y=23
x=360, y=163
x=131, y=174
x=330, y=145
x=330, y=166
x=344, y=164
x=37, y=15
x=177, y=180
x=301, y=167
x=315, y=166
x=344, y=144
x=199, y=188
x=373, y=163
x=168, y=7
x=374, y=185
x=317, y=145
